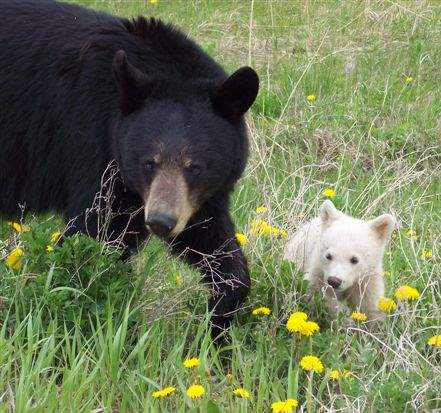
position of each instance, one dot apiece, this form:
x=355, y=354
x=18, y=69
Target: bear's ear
x=383, y=226
x=235, y=95
x=132, y=84
x=328, y=212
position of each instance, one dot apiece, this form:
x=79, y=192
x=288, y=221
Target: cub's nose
x=334, y=282
x=161, y=224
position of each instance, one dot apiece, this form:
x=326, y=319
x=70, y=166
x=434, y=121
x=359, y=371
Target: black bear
x=126, y=128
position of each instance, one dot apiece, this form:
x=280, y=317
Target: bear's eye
x=354, y=260
x=195, y=170
x=328, y=256
x=150, y=166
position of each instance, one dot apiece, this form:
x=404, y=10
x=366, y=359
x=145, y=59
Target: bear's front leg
x=209, y=243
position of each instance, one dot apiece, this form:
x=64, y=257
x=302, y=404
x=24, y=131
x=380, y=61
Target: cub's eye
x=328, y=256
x=150, y=166
x=195, y=170
x=354, y=260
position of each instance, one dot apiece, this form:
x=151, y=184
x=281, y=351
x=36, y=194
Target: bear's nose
x=334, y=282
x=161, y=224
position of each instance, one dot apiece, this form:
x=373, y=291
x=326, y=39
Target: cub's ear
x=235, y=95
x=328, y=212
x=383, y=226
x=133, y=85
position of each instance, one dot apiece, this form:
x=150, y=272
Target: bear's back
x=53, y=29
x=301, y=247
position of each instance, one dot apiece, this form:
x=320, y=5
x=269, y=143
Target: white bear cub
x=342, y=256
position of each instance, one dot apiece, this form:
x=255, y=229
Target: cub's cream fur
x=342, y=256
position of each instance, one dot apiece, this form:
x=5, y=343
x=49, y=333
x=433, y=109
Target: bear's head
x=179, y=143
x=351, y=249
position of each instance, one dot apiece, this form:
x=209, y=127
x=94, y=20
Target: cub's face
x=351, y=249
x=179, y=145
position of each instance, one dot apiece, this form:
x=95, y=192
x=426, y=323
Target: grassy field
x=81, y=331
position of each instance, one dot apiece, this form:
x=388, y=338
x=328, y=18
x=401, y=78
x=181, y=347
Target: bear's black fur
x=114, y=123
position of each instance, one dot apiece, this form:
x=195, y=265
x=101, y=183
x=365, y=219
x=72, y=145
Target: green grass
x=83, y=332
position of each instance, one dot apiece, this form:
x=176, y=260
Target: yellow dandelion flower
x=408, y=79
x=411, y=234
x=279, y=232
x=334, y=375
x=241, y=239
x=240, y=392
x=195, y=391
x=358, y=316
x=262, y=227
x=387, y=305
x=329, y=193
x=427, y=254
x=258, y=227
x=406, y=292
x=261, y=209
x=261, y=311
x=311, y=363
x=286, y=406
x=435, y=341
x=14, y=259
x=299, y=315
x=311, y=98
x=179, y=280
x=19, y=227
x=49, y=248
x=164, y=392
x=308, y=328
x=296, y=321
x=189, y=363
x=153, y=1
x=55, y=237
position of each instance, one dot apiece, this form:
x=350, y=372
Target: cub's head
x=180, y=143
x=351, y=249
